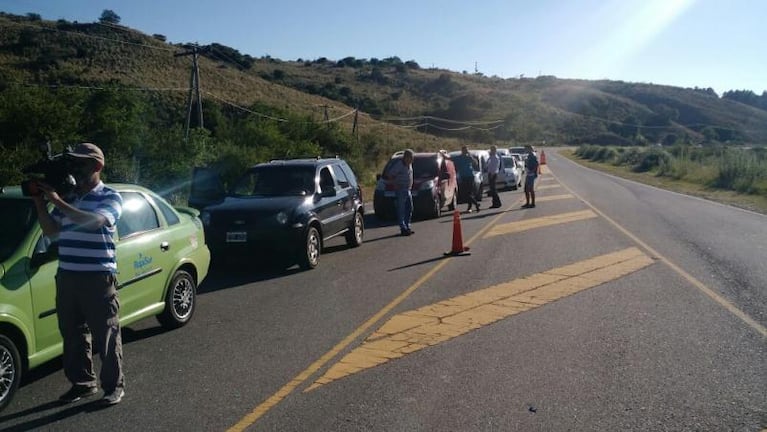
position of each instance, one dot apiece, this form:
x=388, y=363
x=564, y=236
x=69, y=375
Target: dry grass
x=755, y=203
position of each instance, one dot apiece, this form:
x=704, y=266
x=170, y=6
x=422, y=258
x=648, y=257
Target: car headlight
x=205, y=218
x=427, y=185
x=282, y=218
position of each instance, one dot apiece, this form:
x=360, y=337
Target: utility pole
x=194, y=89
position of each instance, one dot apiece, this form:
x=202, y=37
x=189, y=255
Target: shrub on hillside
x=630, y=157
x=652, y=159
x=741, y=171
x=604, y=154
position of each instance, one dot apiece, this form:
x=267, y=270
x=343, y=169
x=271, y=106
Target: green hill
x=126, y=90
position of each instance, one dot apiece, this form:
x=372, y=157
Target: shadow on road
x=41, y=422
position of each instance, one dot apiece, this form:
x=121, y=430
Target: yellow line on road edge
x=440, y=322
x=288, y=388
x=695, y=282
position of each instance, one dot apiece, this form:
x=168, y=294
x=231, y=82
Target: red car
x=434, y=186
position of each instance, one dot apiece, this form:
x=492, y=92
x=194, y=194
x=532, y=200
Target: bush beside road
x=736, y=177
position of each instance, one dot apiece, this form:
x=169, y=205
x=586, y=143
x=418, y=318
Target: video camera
x=54, y=170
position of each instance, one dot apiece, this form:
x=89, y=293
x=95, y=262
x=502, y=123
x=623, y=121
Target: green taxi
x=161, y=258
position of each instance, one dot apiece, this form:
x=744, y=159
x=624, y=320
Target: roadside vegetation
x=699, y=170
x=66, y=82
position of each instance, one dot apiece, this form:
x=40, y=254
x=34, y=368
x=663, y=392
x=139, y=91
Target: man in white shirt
x=493, y=167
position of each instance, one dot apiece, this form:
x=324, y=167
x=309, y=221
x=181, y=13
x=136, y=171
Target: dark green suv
x=288, y=208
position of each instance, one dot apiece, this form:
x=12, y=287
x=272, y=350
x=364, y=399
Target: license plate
x=389, y=194
x=236, y=237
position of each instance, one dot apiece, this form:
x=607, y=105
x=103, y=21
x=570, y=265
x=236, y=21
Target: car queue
x=289, y=208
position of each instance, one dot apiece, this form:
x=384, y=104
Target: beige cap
x=89, y=151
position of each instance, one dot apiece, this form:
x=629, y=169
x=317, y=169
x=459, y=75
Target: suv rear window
x=423, y=166
x=276, y=181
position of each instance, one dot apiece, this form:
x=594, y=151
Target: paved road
x=610, y=306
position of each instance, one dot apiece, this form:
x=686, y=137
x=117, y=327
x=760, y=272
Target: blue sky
x=687, y=43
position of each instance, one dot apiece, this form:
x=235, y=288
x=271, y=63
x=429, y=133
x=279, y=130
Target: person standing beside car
x=493, y=167
x=400, y=176
x=466, y=166
x=87, y=304
x=531, y=167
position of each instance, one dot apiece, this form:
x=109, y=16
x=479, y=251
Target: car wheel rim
x=7, y=372
x=183, y=298
x=313, y=247
x=358, y=228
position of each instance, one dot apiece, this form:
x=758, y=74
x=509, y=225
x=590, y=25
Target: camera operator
x=86, y=289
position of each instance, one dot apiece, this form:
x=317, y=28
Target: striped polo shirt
x=90, y=250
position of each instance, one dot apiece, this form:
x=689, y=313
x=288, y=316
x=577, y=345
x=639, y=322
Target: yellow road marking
x=695, y=282
x=554, y=197
x=288, y=388
x=430, y=325
x=547, y=187
x=528, y=224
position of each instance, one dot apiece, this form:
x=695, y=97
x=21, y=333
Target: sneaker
x=77, y=392
x=526, y=206
x=404, y=233
x=411, y=232
x=113, y=398
x=532, y=205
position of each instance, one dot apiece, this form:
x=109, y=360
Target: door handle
x=164, y=246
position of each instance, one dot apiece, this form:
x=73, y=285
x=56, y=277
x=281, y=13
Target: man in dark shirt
x=401, y=177
x=531, y=167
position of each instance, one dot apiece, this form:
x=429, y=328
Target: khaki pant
x=87, y=306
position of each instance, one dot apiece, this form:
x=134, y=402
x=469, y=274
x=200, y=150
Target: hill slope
x=400, y=104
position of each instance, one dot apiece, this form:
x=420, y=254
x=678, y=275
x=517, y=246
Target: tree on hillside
x=108, y=16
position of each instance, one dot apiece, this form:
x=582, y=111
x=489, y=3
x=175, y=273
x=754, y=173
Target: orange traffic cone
x=543, y=157
x=458, y=247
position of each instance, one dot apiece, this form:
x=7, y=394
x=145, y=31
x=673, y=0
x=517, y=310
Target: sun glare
x=634, y=25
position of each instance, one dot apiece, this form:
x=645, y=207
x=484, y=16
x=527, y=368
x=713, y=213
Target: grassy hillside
x=400, y=104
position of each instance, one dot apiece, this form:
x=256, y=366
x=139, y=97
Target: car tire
x=10, y=371
x=180, y=301
x=310, y=257
x=354, y=236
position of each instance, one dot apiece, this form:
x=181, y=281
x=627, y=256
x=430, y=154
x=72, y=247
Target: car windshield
x=16, y=218
x=508, y=161
x=276, y=181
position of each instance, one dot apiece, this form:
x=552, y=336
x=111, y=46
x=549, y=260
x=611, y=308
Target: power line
x=444, y=120
x=234, y=105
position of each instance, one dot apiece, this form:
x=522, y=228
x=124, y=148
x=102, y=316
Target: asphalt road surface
x=609, y=306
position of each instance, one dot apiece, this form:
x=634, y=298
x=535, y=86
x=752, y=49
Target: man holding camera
x=86, y=287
